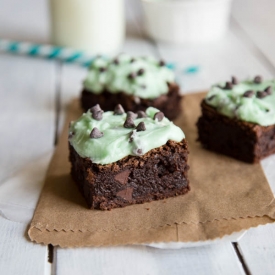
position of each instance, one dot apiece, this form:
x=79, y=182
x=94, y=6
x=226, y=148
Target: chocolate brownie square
x=238, y=120
x=119, y=159
x=135, y=83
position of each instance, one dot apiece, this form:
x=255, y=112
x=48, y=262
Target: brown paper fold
x=226, y=196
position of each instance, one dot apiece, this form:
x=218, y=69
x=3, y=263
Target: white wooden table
x=34, y=93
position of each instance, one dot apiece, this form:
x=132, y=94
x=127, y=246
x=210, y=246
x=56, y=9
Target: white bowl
x=186, y=21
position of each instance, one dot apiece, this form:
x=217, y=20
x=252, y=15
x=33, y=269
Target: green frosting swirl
x=149, y=77
x=233, y=102
x=115, y=143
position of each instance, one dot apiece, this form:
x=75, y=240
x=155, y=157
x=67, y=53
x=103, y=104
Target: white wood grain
x=136, y=260
x=17, y=254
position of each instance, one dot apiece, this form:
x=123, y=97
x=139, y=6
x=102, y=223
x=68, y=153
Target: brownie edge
x=160, y=173
x=169, y=104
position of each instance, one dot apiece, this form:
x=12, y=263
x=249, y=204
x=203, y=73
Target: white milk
x=95, y=26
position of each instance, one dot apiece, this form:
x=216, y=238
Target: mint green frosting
x=115, y=78
x=115, y=143
x=232, y=103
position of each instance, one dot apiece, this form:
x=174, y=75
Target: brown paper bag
x=226, y=196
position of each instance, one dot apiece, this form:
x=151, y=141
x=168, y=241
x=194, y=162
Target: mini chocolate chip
x=141, y=127
x=97, y=115
x=131, y=115
x=267, y=110
x=131, y=76
x=162, y=63
x=129, y=123
x=95, y=133
x=132, y=136
x=140, y=72
x=261, y=94
x=234, y=80
x=71, y=134
x=258, y=79
x=102, y=69
x=116, y=61
x=143, y=86
x=139, y=151
x=119, y=110
x=211, y=97
x=268, y=90
x=132, y=60
x=248, y=93
x=159, y=116
x=95, y=108
x=141, y=114
x=228, y=86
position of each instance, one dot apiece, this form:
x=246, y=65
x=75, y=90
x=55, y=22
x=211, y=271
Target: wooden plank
x=215, y=259
x=17, y=254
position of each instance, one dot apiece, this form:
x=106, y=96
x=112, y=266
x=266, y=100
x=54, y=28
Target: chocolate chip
x=116, y=61
x=129, y=123
x=161, y=63
x=211, y=97
x=95, y=108
x=159, y=116
x=71, y=134
x=267, y=110
x=97, y=115
x=132, y=60
x=228, y=86
x=261, y=94
x=125, y=194
x=143, y=86
x=248, y=93
x=141, y=127
x=131, y=115
x=102, y=69
x=131, y=76
x=234, y=80
x=268, y=90
x=119, y=110
x=141, y=114
x=258, y=79
x=140, y=72
x=95, y=133
x=139, y=151
x=122, y=177
x=132, y=136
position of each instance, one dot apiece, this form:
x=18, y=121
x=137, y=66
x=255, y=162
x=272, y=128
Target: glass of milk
x=94, y=26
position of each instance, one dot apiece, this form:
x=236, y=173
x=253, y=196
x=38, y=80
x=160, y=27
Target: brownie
x=161, y=173
x=245, y=141
x=169, y=104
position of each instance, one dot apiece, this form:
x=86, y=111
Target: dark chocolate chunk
x=132, y=115
x=95, y=108
x=97, y=115
x=258, y=79
x=140, y=72
x=122, y=177
x=228, y=86
x=211, y=97
x=159, y=116
x=131, y=76
x=125, y=194
x=261, y=94
x=162, y=63
x=268, y=90
x=248, y=93
x=95, y=133
x=116, y=61
x=129, y=123
x=119, y=110
x=234, y=80
x=141, y=114
x=132, y=60
x=102, y=69
x=141, y=127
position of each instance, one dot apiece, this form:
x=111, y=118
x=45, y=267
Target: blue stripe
x=34, y=50
x=13, y=47
x=55, y=52
x=88, y=63
x=74, y=57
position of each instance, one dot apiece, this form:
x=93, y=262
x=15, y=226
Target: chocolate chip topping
x=162, y=63
x=159, y=116
x=248, y=93
x=234, y=80
x=102, y=69
x=95, y=108
x=141, y=127
x=95, y=133
x=258, y=79
x=139, y=151
x=129, y=123
x=132, y=60
x=119, y=110
x=132, y=136
x=211, y=97
x=132, y=115
x=97, y=115
x=141, y=114
x=71, y=134
x=116, y=61
x=268, y=90
x=228, y=86
x=131, y=76
x=143, y=86
x=261, y=94
x=140, y=72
